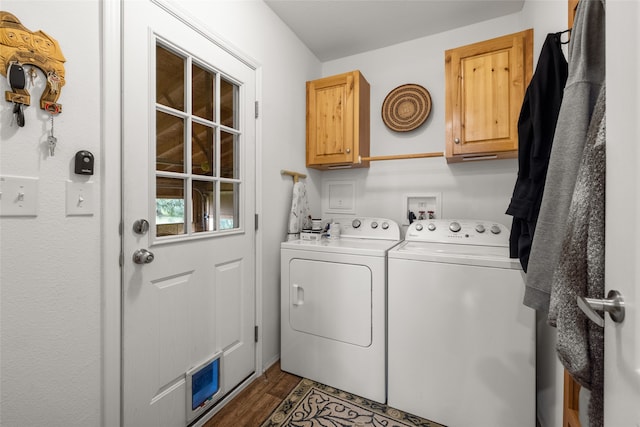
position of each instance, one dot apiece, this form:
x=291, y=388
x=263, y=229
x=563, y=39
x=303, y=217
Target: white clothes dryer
x=333, y=306
x=461, y=347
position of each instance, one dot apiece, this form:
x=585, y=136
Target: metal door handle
x=143, y=256
x=613, y=304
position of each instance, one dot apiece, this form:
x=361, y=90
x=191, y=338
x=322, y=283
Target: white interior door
x=622, y=340
x=189, y=171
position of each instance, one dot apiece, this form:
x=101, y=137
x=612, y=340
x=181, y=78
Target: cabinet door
x=330, y=120
x=485, y=86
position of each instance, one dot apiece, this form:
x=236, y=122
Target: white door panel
x=229, y=303
x=622, y=346
x=189, y=170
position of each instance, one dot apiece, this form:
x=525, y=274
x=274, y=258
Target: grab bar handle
x=297, y=296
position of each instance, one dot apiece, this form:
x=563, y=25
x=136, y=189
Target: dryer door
x=331, y=300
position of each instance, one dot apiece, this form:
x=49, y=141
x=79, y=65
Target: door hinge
x=257, y=110
x=257, y=219
x=121, y=259
x=256, y=333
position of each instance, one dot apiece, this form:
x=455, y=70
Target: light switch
x=18, y=196
x=80, y=199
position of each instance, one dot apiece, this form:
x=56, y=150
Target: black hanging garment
x=536, y=127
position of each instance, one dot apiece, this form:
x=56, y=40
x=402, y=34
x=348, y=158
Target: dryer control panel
x=468, y=232
x=368, y=228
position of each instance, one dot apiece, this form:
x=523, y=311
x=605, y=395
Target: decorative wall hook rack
x=23, y=46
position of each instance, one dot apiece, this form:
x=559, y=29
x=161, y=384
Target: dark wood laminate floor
x=254, y=404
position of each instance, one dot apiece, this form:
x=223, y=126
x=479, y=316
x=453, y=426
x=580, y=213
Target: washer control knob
x=431, y=227
x=495, y=229
x=356, y=223
x=419, y=227
x=385, y=225
x=454, y=226
x=480, y=228
x=374, y=225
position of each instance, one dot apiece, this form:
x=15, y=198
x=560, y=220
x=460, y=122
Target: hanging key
x=33, y=75
x=52, y=140
x=54, y=81
x=17, y=79
x=18, y=114
x=16, y=76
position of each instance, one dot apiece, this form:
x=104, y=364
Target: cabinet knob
x=348, y=150
x=457, y=140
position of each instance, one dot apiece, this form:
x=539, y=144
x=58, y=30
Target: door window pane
x=229, y=205
x=169, y=143
x=228, y=104
x=202, y=150
x=228, y=155
x=170, y=203
x=203, y=199
x=197, y=146
x=202, y=93
x=169, y=78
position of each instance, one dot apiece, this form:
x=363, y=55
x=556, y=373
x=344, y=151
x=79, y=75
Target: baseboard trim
x=270, y=363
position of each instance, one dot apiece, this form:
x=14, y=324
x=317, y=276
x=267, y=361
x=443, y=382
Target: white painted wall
x=50, y=288
x=469, y=190
x=50, y=273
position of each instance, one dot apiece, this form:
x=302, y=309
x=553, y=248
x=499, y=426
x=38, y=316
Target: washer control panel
x=368, y=228
x=469, y=232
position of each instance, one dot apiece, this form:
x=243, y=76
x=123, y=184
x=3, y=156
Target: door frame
x=112, y=194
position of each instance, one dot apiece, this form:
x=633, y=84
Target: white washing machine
x=461, y=347
x=333, y=306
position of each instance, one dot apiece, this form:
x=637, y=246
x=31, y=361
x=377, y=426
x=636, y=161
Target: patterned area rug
x=312, y=404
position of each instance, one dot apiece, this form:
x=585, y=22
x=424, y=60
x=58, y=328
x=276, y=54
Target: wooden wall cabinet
x=338, y=121
x=485, y=84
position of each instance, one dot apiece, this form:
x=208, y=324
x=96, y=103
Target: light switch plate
x=18, y=196
x=80, y=198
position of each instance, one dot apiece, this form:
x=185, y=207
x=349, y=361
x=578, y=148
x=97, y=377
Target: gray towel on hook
x=580, y=344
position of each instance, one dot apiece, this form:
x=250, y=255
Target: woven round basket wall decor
x=406, y=107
